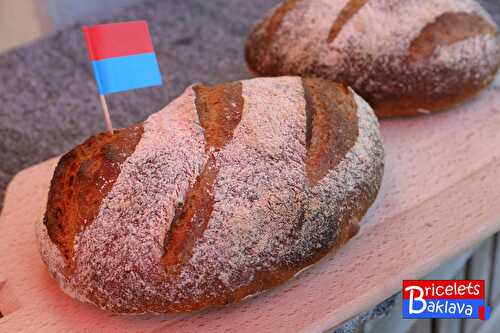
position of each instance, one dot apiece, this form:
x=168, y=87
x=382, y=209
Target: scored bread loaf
x=403, y=57
x=226, y=192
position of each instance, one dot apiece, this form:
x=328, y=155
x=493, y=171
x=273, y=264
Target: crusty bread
x=404, y=57
x=226, y=192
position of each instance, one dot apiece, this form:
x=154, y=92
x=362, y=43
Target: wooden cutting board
x=440, y=195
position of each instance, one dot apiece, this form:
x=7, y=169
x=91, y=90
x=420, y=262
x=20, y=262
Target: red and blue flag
x=122, y=56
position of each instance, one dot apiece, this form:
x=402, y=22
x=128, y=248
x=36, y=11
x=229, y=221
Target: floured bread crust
x=404, y=57
x=229, y=191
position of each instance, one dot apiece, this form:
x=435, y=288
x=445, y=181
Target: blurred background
x=22, y=21
x=48, y=98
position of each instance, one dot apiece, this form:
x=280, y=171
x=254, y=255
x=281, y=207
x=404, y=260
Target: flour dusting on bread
x=372, y=50
x=267, y=221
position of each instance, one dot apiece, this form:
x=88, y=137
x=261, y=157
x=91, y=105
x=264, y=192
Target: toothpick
x=105, y=111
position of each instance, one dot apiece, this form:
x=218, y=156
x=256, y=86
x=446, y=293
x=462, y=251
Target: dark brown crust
x=190, y=220
x=412, y=87
x=331, y=128
x=257, y=46
x=82, y=178
x=219, y=110
x=447, y=29
x=414, y=104
x=265, y=279
x=350, y=9
x=279, y=15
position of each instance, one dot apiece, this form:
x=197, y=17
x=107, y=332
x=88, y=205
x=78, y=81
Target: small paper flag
x=122, y=56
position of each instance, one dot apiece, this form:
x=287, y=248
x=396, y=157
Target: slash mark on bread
x=82, y=179
x=447, y=29
x=278, y=17
x=191, y=219
x=258, y=45
x=331, y=128
x=219, y=111
x=349, y=10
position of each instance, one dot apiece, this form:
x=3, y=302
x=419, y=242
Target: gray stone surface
x=64, y=13
x=493, y=7
x=48, y=100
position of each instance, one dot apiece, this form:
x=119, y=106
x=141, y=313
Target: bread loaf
x=404, y=57
x=226, y=192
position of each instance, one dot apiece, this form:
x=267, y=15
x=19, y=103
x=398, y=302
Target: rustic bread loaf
x=404, y=57
x=227, y=191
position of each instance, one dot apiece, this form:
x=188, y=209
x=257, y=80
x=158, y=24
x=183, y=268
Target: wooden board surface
x=440, y=195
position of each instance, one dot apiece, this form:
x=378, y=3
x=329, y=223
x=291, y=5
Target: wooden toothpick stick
x=105, y=111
